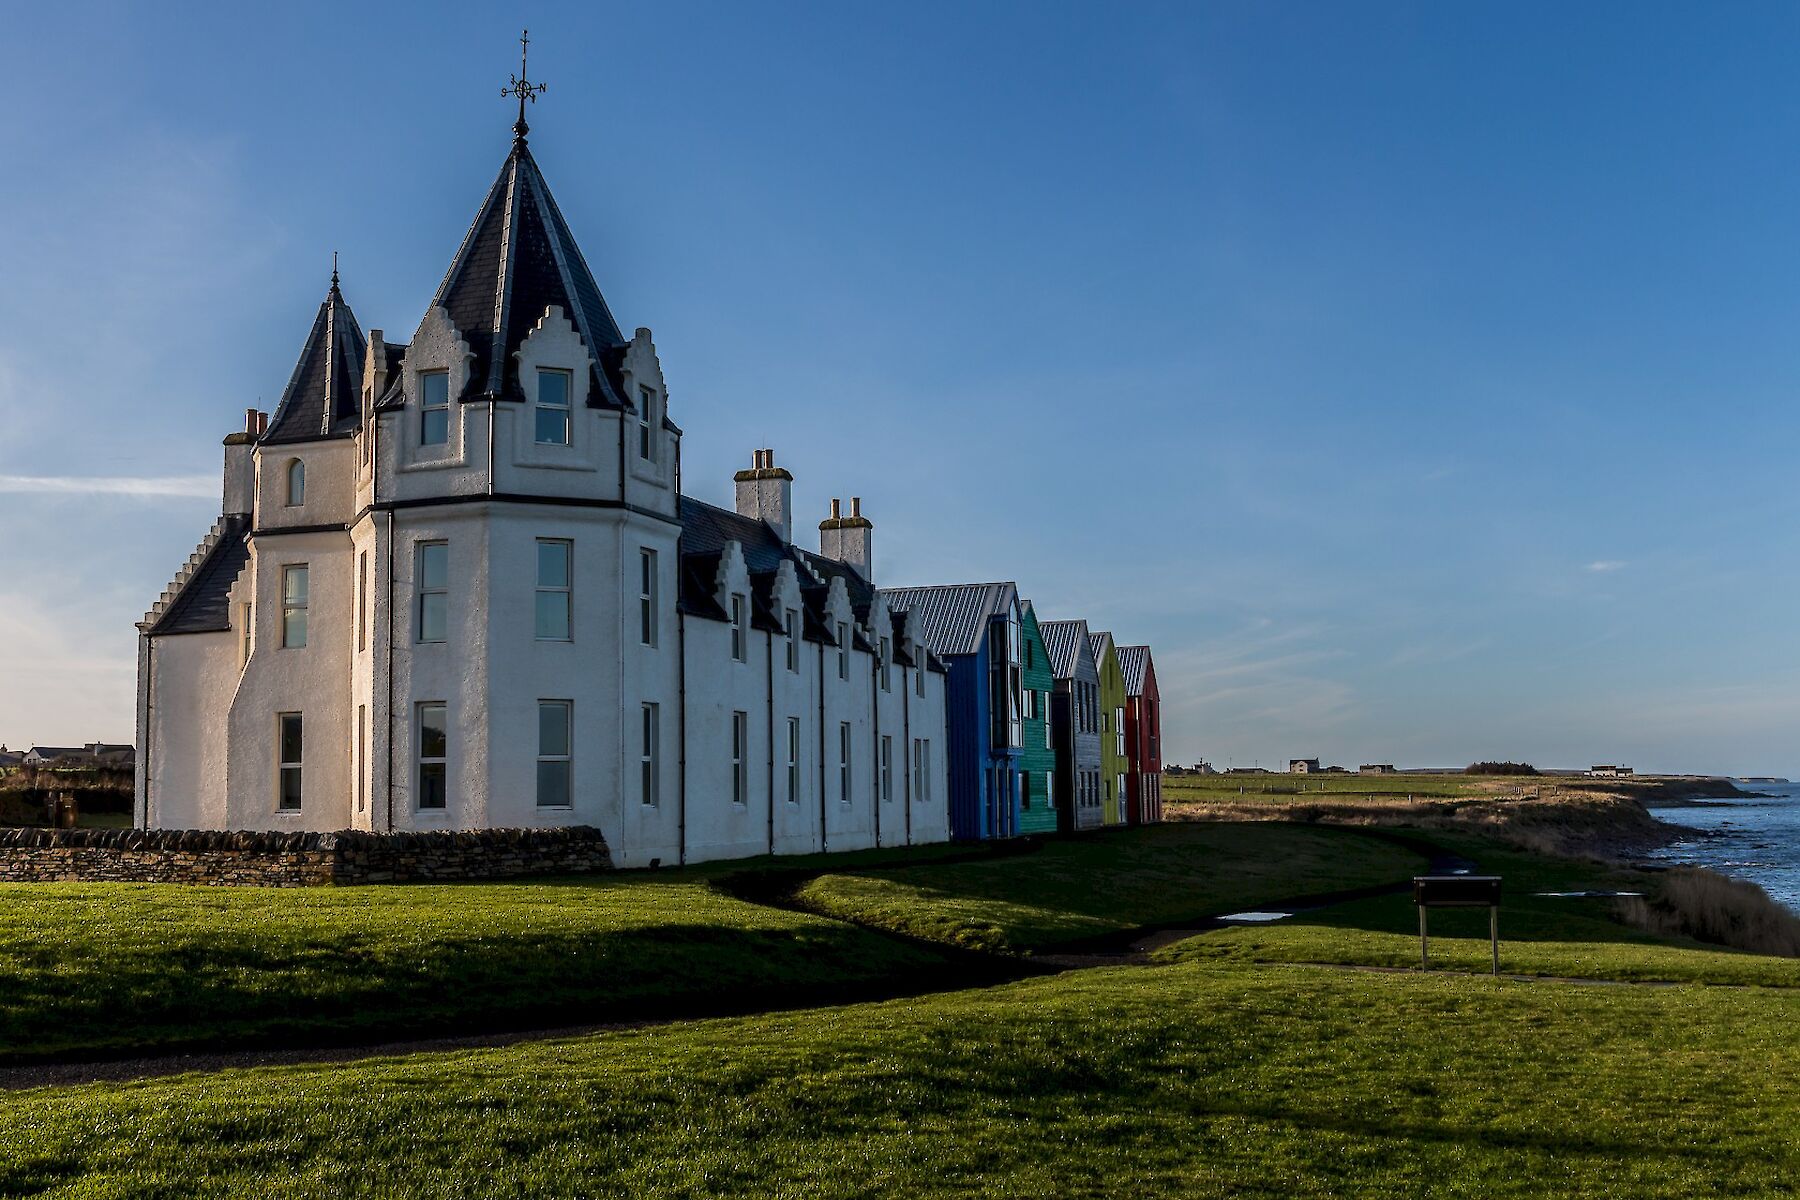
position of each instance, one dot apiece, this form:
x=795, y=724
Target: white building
x=455, y=586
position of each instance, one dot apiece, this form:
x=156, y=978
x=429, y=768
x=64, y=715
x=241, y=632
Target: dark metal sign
x=1458, y=891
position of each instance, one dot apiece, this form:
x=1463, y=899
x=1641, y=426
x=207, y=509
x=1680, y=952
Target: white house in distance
x=455, y=586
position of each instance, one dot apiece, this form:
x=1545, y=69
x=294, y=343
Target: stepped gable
x=199, y=600
x=1132, y=662
x=706, y=529
x=324, y=396
x=953, y=617
x=1063, y=642
x=517, y=259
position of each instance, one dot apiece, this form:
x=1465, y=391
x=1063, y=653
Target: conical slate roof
x=324, y=396
x=518, y=258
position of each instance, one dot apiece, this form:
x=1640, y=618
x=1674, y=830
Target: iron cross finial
x=522, y=87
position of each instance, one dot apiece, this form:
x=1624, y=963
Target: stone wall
x=294, y=859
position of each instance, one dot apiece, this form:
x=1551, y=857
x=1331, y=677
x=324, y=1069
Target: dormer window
x=646, y=416
x=434, y=403
x=552, y=408
x=296, y=483
x=739, y=639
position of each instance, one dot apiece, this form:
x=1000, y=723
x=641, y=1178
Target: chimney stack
x=240, y=465
x=766, y=493
x=849, y=539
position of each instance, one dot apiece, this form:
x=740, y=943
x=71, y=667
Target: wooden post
x=1424, y=940
x=1493, y=934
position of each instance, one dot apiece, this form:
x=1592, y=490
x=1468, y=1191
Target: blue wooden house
x=977, y=629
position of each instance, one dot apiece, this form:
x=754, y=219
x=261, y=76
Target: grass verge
x=1076, y=889
x=114, y=968
x=1187, y=1081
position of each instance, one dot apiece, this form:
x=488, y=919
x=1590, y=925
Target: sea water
x=1754, y=837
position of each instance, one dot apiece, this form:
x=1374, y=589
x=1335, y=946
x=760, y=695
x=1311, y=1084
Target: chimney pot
x=249, y=420
x=856, y=506
x=836, y=508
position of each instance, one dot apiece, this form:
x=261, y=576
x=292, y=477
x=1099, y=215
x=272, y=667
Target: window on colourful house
x=739, y=638
x=919, y=672
x=843, y=643
x=1119, y=730
x=918, y=772
x=296, y=483
x=793, y=640
x=844, y=762
x=793, y=760
x=1049, y=789
x=740, y=757
x=434, y=746
x=552, y=414
x=554, y=590
x=925, y=748
x=434, y=408
x=293, y=606
x=647, y=596
x=649, y=754
x=554, y=763
x=434, y=590
x=288, y=739
x=887, y=768
x=646, y=420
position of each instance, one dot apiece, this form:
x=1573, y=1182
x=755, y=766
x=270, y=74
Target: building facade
x=455, y=585
x=1075, y=724
x=1038, y=810
x=1143, y=736
x=1114, y=765
x=977, y=629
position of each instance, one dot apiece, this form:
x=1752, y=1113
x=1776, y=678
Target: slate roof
x=517, y=259
x=204, y=605
x=1133, y=662
x=324, y=395
x=1063, y=642
x=707, y=529
x=953, y=617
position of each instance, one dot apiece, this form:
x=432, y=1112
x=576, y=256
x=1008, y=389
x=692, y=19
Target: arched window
x=296, y=482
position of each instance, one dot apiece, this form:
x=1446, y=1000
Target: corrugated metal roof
x=1066, y=642
x=1132, y=663
x=1100, y=643
x=953, y=617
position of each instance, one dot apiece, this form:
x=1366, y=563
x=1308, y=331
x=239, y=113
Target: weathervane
x=522, y=87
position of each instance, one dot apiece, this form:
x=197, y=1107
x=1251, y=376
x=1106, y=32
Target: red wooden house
x=1143, y=736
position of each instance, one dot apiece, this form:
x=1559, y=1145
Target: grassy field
x=1192, y=1080
x=1191, y=789
x=1540, y=935
x=117, y=967
x=1076, y=889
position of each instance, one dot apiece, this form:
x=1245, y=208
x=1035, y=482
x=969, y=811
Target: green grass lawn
x=1280, y=787
x=116, y=967
x=1192, y=1080
x=1540, y=935
x=1073, y=889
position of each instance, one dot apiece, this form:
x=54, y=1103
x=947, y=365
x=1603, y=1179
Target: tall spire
x=323, y=397
x=522, y=87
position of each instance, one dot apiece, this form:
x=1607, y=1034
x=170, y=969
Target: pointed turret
x=324, y=396
x=517, y=259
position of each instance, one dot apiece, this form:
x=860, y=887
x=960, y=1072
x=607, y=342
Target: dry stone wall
x=249, y=859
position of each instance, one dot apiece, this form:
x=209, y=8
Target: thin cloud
x=111, y=485
x=1603, y=565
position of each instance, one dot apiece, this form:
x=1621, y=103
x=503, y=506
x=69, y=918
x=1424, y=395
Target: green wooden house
x=1037, y=759
x=1114, y=763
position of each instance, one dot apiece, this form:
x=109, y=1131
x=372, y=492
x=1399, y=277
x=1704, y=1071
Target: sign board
x=1456, y=891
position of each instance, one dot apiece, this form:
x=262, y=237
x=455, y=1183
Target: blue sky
x=1418, y=379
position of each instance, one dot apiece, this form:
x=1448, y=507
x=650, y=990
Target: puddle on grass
x=1255, y=916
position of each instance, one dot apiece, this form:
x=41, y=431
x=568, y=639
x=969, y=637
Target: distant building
x=1303, y=766
x=94, y=754
x=1143, y=736
x=1609, y=771
x=1376, y=769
